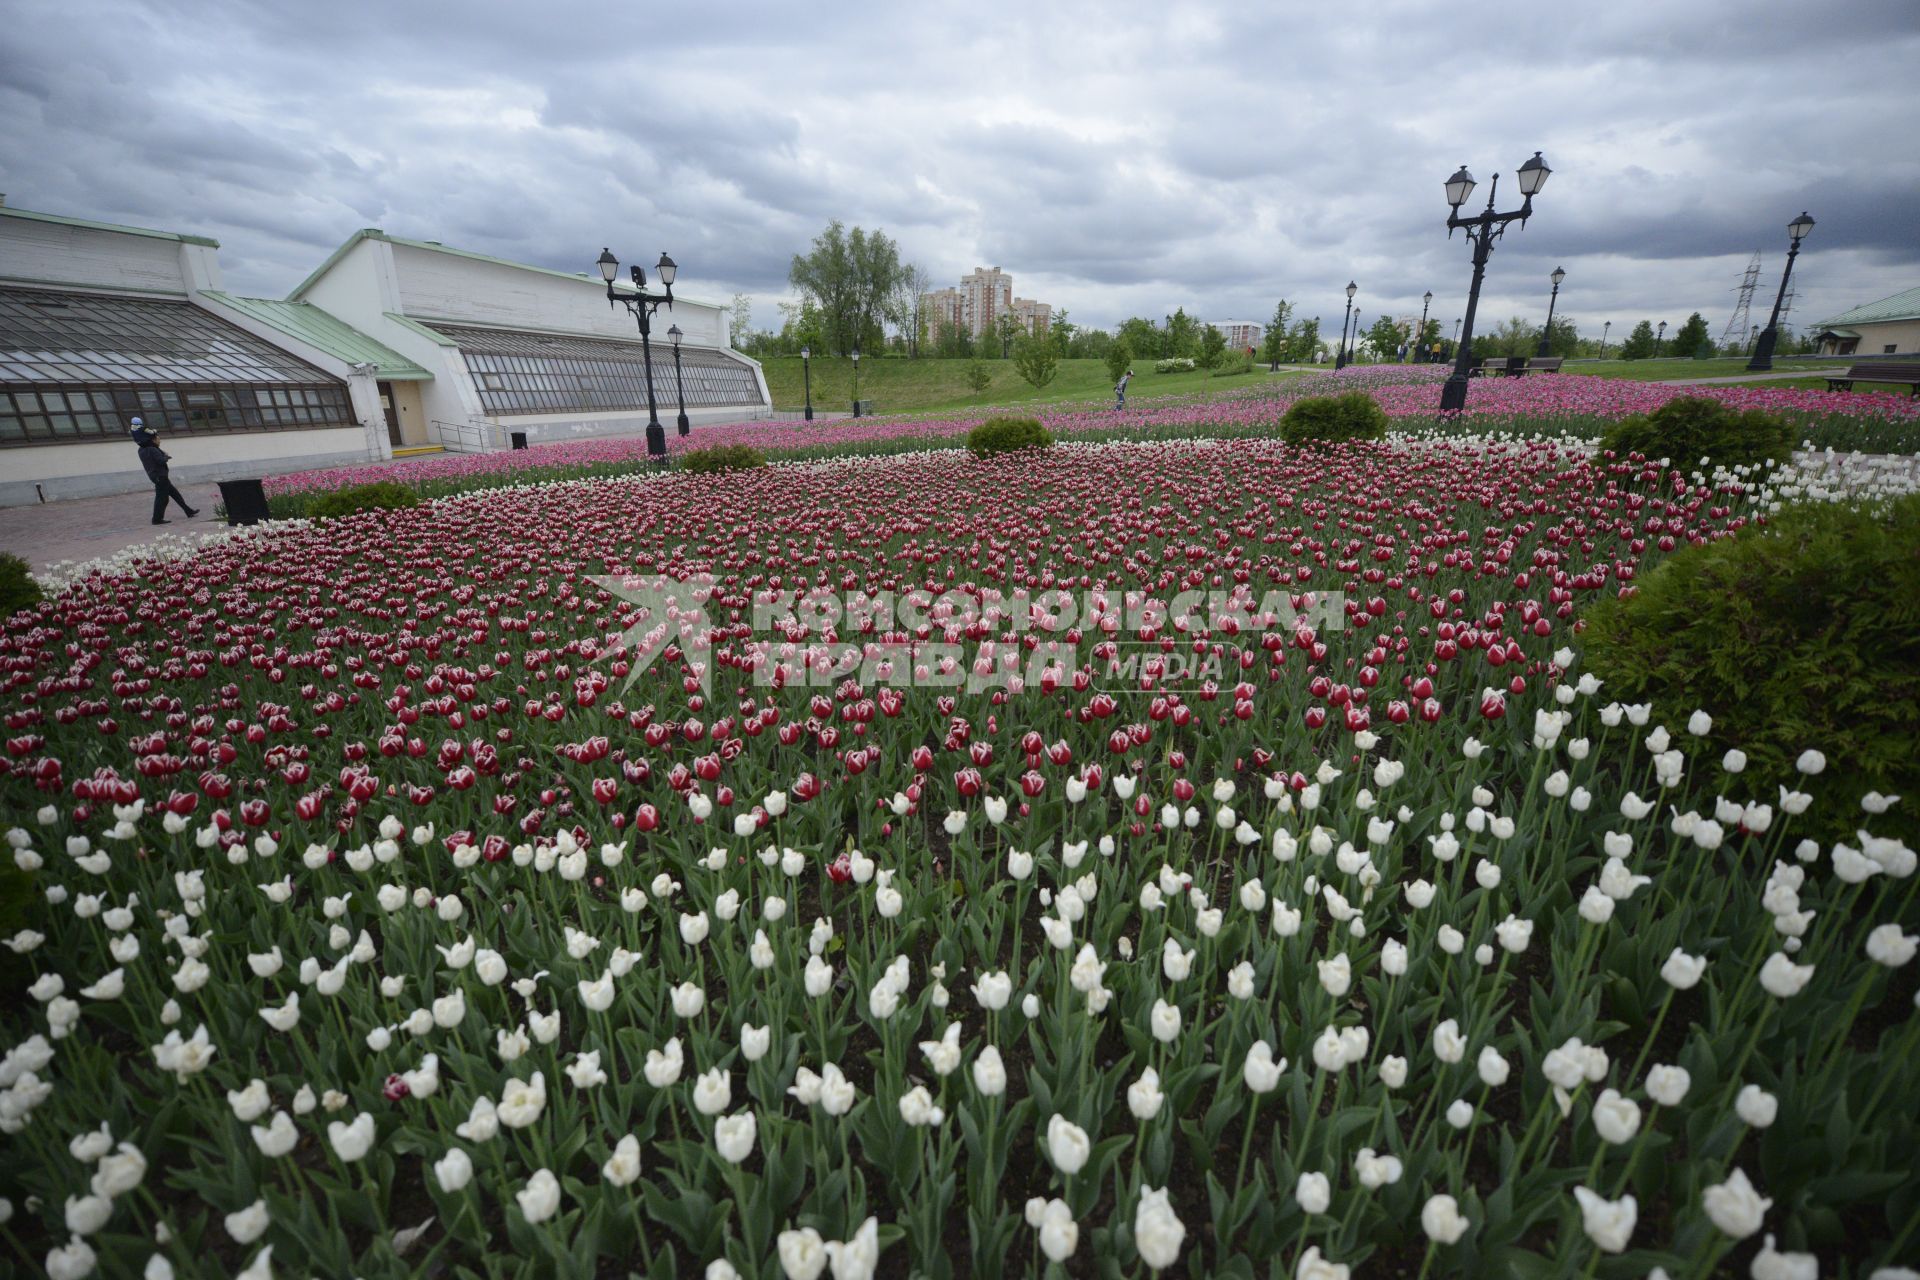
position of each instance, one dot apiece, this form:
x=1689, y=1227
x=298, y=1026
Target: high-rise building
x=1034, y=316
x=983, y=297
x=943, y=309
x=989, y=292
x=1240, y=334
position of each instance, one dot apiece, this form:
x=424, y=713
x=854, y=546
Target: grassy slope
x=1662, y=370
x=897, y=385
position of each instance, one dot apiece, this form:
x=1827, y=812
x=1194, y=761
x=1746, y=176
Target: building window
x=1890, y=348
x=517, y=372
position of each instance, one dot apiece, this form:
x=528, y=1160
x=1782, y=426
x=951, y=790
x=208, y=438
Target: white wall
x=113, y=466
x=452, y=287
x=93, y=258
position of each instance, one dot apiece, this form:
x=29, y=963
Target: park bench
x=1901, y=372
x=1540, y=364
x=1498, y=366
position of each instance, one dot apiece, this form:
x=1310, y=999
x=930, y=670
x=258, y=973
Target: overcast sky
x=1115, y=158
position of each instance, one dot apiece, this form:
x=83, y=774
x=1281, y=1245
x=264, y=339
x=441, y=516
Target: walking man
x=1120, y=391
x=154, y=459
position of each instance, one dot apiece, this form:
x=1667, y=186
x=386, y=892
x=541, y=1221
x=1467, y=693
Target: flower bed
x=415, y=892
x=1580, y=407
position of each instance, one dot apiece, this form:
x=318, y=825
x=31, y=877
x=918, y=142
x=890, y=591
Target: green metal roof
x=326, y=331
x=375, y=233
x=434, y=336
x=59, y=220
x=1901, y=306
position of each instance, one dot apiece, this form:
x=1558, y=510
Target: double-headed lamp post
x=856, y=379
x=1340, y=356
x=643, y=304
x=1763, y=352
x=806, y=371
x=1482, y=230
x=1546, y=334
x=679, y=380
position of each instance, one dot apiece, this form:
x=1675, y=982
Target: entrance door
x=393, y=414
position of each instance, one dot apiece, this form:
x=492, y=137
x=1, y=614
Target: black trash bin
x=245, y=501
x=518, y=439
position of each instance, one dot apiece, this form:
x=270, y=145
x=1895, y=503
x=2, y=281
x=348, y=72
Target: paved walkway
x=1776, y=375
x=88, y=528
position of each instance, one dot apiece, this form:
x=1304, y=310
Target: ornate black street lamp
x=643, y=304
x=1482, y=230
x=856, y=380
x=806, y=369
x=1604, y=330
x=679, y=382
x=1420, y=334
x=1456, y=333
x=1340, y=356
x=1763, y=353
x=1546, y=334
x=1658, y=334
x=1753, y=339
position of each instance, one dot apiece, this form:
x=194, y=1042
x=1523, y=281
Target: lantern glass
x=1533, y=175
x=1800, y=226
x=609, y=266
x=667, y=270
x=1352, y=289
x=1459, y=187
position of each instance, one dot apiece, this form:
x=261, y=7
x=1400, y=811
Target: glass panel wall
x=520, y=372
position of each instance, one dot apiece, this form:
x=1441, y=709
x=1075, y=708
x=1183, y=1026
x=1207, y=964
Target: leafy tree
x=802, y=325
x=1273, y=343
x=1036, y=359
x=1090, y=344
x=979, y=377
x=1693, y=338
x=1183, y=335
x=1303, y=344
x=1006, y=327
x=1144, y=339
x=1385, y=336
x=1119, y=358
x=739, y=320
x=1563, y=338
x=907, y=306
x=1213, y=344
x=852, y=277
x=1060, y=331
x=1423, y=345
x=1515, y=337
x=1639, y=343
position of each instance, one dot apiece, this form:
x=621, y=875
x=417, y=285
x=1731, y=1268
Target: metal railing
x=474, y=436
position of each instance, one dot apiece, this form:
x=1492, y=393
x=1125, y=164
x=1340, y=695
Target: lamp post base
x=1453, y=394
x=856, y=408
x=656, y=442
x=683, y=427
x=809, y=413
x=1763, y=353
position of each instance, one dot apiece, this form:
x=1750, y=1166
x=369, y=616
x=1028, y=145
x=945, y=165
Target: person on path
x=154, y=459
x=1120, y=391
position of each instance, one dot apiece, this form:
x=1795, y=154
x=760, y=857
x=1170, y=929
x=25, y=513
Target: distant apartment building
x=1240, y=334
x=983, y=297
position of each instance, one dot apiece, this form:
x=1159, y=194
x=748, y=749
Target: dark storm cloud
x=1117, y=158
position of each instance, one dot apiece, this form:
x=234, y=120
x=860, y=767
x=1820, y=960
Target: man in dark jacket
x=154, y=459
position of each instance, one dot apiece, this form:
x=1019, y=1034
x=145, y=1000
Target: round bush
x=1354, y=415
x=1007, y=435
x=1804, y=633
x=383, y=495
x=722, y=457
x=1691, y=429
x=18, y=590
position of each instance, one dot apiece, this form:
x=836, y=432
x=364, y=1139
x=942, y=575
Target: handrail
x=465, y=437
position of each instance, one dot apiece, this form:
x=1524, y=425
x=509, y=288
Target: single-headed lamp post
x=1763, y=352
x=806, y=372
x=1340, y=356
x=1605, y=329
x=1420, y=335
x=856, y=379
x=1658, y=335
x=1546, y=334
x=1753, y=339
x=643, y=304
x=1482, y=230
x=679, y=380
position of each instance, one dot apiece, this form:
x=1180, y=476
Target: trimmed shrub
x=1007, y=435
x=383, y=495
x=18, y=590
x=1354, y=415
x=1803, y=633
x=1690, y=428
x=1232, y=363
x=1175, y=364
x=722, y=457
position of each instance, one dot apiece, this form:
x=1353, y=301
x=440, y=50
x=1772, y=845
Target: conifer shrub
x=722, y=457
x=1353, y=415
x=997, y=436
x=1691, y=429
x=18, y=590
x=382, y=495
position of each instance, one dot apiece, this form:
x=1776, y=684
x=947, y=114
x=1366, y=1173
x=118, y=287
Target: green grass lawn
x=897, y=385
x=1665, y=370
x=1819, y=383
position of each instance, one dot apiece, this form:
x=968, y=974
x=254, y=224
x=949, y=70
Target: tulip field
x=1196, y=857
